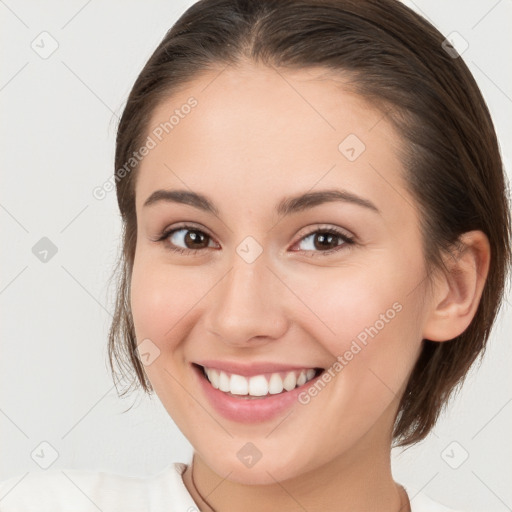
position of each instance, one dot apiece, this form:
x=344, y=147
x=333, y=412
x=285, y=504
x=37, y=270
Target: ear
x=457, y=291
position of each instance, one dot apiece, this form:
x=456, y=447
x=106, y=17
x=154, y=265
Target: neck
x=357, y=481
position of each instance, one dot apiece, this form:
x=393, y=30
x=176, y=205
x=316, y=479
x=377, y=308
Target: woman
x=316, y=239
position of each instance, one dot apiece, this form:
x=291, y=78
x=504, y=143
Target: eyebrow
x=285, y=207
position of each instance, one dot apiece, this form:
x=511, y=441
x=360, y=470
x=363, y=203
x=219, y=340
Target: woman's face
x=266, y=285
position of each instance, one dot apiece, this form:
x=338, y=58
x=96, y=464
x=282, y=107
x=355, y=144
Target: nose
x=247, y=308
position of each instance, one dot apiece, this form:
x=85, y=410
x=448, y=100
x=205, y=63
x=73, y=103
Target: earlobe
x=458, y=289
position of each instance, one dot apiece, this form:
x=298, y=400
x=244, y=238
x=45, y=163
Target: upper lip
x=250, y=369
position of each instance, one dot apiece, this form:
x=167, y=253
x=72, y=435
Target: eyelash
x=332, y=231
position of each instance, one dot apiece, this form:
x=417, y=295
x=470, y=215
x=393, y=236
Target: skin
x=256, y=136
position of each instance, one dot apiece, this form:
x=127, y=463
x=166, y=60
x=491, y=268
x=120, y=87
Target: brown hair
x=395, y=59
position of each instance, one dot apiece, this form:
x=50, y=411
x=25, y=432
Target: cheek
x=375, y=344
x=354, y=304
x=368, y=320
x=160, y=296
x=162, y=300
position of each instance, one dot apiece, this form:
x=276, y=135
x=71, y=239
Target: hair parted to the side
x=395, y=60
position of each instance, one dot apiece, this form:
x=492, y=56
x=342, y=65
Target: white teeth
x=275, y=384
x=239, y=385
x=258, y=385
x=290, y=381
x=213, y=377
x=224, y=382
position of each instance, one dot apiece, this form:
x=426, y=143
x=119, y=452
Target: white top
x=77, y=490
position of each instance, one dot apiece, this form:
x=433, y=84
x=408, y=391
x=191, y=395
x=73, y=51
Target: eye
x=325, y=240
x=191, y=240
x=185, y=239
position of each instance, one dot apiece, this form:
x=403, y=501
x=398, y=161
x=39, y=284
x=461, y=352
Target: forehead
x=262, y=131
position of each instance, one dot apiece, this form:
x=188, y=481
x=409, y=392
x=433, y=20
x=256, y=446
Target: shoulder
x=420, y=502
x=84, y=491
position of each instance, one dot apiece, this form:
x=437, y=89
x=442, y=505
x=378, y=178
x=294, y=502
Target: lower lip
x=247, y=410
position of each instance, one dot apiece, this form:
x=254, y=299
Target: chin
x=260, y=475
x=266, y=471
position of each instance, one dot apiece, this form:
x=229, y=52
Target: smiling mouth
x=258, y=386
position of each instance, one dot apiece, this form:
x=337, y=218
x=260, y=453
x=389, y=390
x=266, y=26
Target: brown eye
x=191, y=238
x=325, y=241
x=185, y=240
x=196, y=239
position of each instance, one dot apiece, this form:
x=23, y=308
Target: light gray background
x=58, y=128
